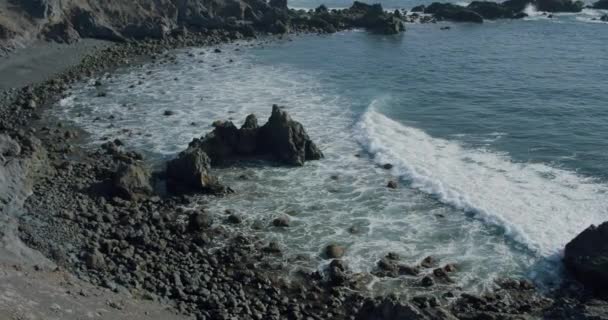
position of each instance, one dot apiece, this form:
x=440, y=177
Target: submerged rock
x=334, y=251
x=586, y=257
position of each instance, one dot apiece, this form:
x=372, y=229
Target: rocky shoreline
x=94, y=214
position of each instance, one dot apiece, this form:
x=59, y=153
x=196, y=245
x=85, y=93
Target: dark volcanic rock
x=492, y=10
x=604, y=18
x=287, y=140
x=602, y=4
x=448, y=11
x=388, y=308
x=132, y=181
x=375, y=19
x=334, y=251
x=190, y=172
x=586, y=256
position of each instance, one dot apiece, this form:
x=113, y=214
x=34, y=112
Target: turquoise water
x=497, y=133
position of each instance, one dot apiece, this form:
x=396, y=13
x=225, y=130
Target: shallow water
x=497, y=134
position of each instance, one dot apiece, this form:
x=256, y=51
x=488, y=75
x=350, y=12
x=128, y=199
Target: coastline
x=316, y=293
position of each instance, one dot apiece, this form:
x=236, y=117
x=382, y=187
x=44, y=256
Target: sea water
x=497, y=133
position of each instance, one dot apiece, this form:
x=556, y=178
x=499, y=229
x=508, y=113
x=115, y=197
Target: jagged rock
x=601, y=4
x=287, y=140
x=586, y=257
x=132, y=181
x=517, y=5
x=375, y=19
x=190, y=172
x=448, y=11
x=281, y=137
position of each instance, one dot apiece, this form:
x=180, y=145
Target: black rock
x=286, y=139
x=586, y=257
x=491, y=10
x=392, y=184
x=334, y=251
x=419, y=8
x=448, y=11
x=189, y=172
x=199, y=220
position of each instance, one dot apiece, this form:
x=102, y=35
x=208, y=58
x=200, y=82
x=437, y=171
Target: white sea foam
x=538, y=205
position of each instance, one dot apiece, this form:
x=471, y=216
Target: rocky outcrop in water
x=586, y=257
x=492, y=10
x=559, y=5
x=452, y=12
x=281, y=139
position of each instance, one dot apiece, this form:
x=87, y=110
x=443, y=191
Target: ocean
x=497, y=134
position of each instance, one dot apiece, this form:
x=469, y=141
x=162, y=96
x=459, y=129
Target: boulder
x=602, y=4
x=604, y=18
x=189, y=172
x=198, y=221
x=559, y=5
x=286, y=139
x=132, y=181
x=334, y=251
x=448, y=11
x=586, y=257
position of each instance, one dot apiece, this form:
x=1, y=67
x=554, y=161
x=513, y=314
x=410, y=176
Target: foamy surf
x=539, y=206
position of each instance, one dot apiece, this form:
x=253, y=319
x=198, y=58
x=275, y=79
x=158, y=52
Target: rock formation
x=586, y=256
x=601, y=4
x=281, y=139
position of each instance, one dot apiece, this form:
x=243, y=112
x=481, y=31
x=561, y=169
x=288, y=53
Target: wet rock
x=428, y=262
x=169, y=113
x=392, y=184
x=132, y=181
x=281, y=222
x=235, y=219
x=334, y=251
x=492, y=10
x=427, y=281
x=586, y=257
x=452, y=12
x=189, y=172
x=604, y=18
x=287, y=140
x=198, y=221
x=338, y=272
x=387, y=166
